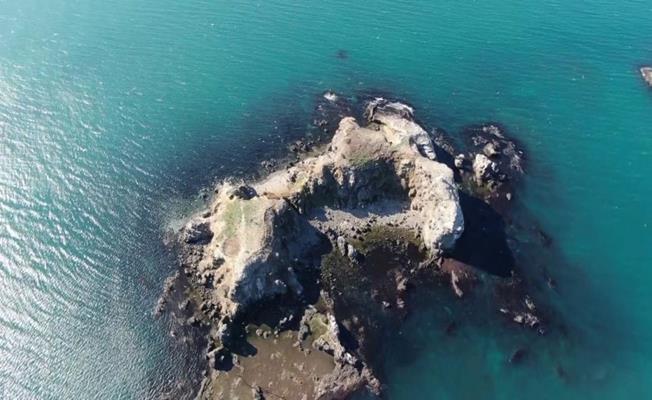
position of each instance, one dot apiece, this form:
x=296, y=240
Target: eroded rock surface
x=493, y=165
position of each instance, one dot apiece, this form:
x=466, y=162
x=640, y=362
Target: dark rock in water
x=561, y=372
x=518, y=356
x=497, y=161
x=451, y=328
x=300, y=146
x=545, y=239
x=517, y=306
x=197, y=232
x=504, y=150
x=244, y=192
x=646, y=73
x=268, y=165
x=342, y=54
x=329, y=110
x=462, y=276
x=330, y=96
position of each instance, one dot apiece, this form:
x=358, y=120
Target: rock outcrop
x=493, y=165
x=255, y=234
x=257, y=240
x=318, y=257
x=646, y=73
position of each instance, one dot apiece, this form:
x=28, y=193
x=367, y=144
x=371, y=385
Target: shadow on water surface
x=484, y=241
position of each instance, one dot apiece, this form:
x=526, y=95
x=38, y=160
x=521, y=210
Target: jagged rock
x=160, y=306
x=399, y=117
x=261, y=242
x=243, y=192
x=344, y=381
x=528, y=319
x=529, y=303
x=354, y=255
x=498, y=162
x=455, y=286
x=330, y=342
x=485, y=170
x=258, y=393
x=342, y=245
x=646, y=73
x=197, y=232
x=347, y=250
x=330, y=96
x=490, y=150
x=460, y=160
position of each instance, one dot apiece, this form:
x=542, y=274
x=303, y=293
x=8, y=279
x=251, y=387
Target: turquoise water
x=115, y=114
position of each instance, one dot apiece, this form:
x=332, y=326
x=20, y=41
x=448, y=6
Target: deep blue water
x=114, y=115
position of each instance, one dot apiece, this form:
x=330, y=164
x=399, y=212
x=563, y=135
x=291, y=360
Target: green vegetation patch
x=362, y=159
x=236, y=212
x=232, y=218
x=339, y=273
x=318, y=325
x=382, y=235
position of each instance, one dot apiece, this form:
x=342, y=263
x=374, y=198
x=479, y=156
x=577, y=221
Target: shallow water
x=113, y=116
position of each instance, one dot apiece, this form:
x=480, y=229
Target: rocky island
x=646, y=73
x=296, y=276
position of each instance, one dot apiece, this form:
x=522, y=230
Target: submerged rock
x=342, y=54
x=518, y=356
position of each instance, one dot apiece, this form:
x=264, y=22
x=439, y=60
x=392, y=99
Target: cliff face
x=256, y=236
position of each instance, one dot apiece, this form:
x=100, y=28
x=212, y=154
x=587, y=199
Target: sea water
x=115, y=115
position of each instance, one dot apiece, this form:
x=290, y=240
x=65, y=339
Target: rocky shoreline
x=296, y=276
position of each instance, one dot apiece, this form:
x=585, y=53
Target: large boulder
x=249, y=259
x=197, y=232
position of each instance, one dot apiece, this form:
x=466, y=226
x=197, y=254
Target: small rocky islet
x=295, y=277
x=646, y=73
